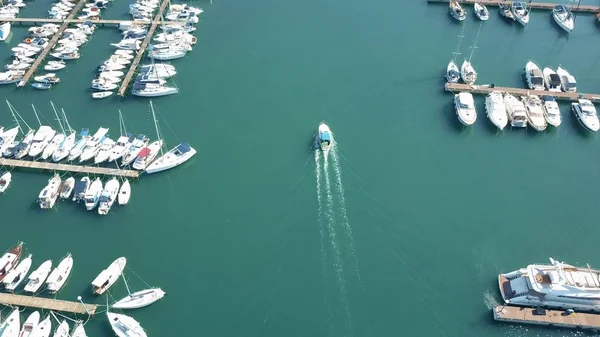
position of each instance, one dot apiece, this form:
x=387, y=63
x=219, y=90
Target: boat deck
x=69, y=168
x=486, y=89
x=47, y=303
x=538, y=316
x=532, y=5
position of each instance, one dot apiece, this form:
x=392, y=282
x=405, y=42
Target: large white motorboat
x=43, y=329
x=125, y=326
x=177, y=156
x=60, y=274
x=78, y=145
x=585, y=112
x=4, y=30
x=534, y=76
x=520, y=12
x=16, y=276
x=325, y=138
x=468, y=73
x=465, y=108
x=140, y=142
x=124, y=193
x=66, y=188
x=551, y=79
x=552, y=111
x=496, y=109
x=49, y=194
x=104, y=151
x=30, y=323
x=93, y=145
x=62, y=330
x=567, y=81
x=558, y=285
x=108, y=196
x=481, y=11
x=7, y=138
x=5, y=180
x=10, y=327
x=108, y=276
x=457, y=11
x=81, y=188
x=517, y=114
x=563, y=17
x=147, y=155
x=92, y=195
x=40, y=140
x=37, y=278
x=53, y=145
x=535, y=114
x=122, y=145
x=452, y=72
x=140, y=299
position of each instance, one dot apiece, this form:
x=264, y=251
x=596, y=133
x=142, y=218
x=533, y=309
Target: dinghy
x=5, y=181
x=37, y=278
x=124, y=193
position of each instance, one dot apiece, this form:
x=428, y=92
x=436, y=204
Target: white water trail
x=318, y=175
x=345, y=222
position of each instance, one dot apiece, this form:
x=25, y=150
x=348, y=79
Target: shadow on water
x=579, y=129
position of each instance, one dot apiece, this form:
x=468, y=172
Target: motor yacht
x=47, y=78
x=567, y=81
x=108, y=276
x=66, y=188
x=60, y=274
x=37, y=278
x=40, y=140
x=452, y=72
x=517, y=114
x=535, y=113
x=457, y=11
x=468, y=73
x=49, y=194
x=74, y=148
x=92, y=146
x=140, y=142
x=16, y=276
x=10, y=327
x=124, y=193
x=465, y=108
x=520, y=12
x=147, y=155
x=534, y=76
x=108, y=196
x=585, y=112
x=55, y=65
x=551, y=111
x=552, y=80
x=4, y=30
x=563, y=17
x=92, y=195
x=496, y=109
x=122, y=145
x=30, y=323
x=104, y=151
x=481, y=11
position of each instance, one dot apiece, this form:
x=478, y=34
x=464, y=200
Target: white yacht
x=520, y=12
x=10, y=327
x=496, y=109
x=465, y=108
x=124, y=193
x=567, y=81
x=108, y=196
x=147, y=155
x=563, y=17
x=535, y=114
x=66, y=188
x=557, y=285
x=62, y=330
x=457, y=11
x=517, y=114
x=534, y=76
x=40, y=140
x=161, y=70
x=481, y=11
x=43, y=329
x=16, y=276
x=140, y=299
x=108, y=276
x=585, y=112
x=104, y=151
x=5, y=180
x=92, y=195
x=59, y=275
x=37, y=278
x=53, y=145
x=166, y=54
x=49, y=194
x=30, y=323
x=92, y=146
x=21, y=149
x=4, y=31
x=154, y=90
x=140, y=142
x=468, y=73
x=121, y=147
x=552, y=80
x=177, y=156
x=551, y=111
x=125, y=326
x=452, y=72
x=81, y=188
x=78, y=146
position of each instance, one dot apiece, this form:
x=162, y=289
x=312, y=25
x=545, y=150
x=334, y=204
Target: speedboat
x=62, y=330
x=43, y=329
x=585, y=112
x=465, y=108
x=122, y=145
x=92, y=195
x=175, y=157
x=12, y=76
x=30, y=323
x=567, y=81
x=551, y=111
x=80, y=189
x=125, y=326
x=104, y=151
x=552, y=80
x=535, y=114
x=452, y=72
x=517, y=114
x=37, y=278
x=534, y=76
x=66, y=188
x=481, y=11
x=47, y=78
x=41, y=139
x=10, y=327
x=5, y=180
x=520, y=12
x=17, y=275
x=496, y=109
x=325, y=137
x=468, y=73
x=124, y=193
x=140, y=142
x=10, y=259
x=457, y=11
x=108, y=276
x=58, y=139
x=563, y=17
x=93, y=145
x=4, y=30
x=147, y=155
x=140, y=299
x=59, y=275
x=49, y=194
x=108, y=196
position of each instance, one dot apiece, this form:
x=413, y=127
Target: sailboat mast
x=12, y=111
x=156, y=125
x=57, y=118
x=460, y=37
x=36, y=115
x=66, y=120
x=475, y=43
x=15, y=112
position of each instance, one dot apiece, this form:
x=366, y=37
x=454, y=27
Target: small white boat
x=140, y=299
x=552, y=80
x=457, y=11
x=30, y=323
x=520, y=12
x=104, y=151
x=154, y=90
x=62, y=330
x=122, y=145
x=517, y=114
x=534, y=76
x=92, y=195
x=16, y=276
x=325, y=138
x=5, y=180
x=552, y=111
x=78, y=330
x=468, y=73
x=111, y=73
x=108, y=276
x=140, y=142
x=124, y=193
x=496, y=109
x=147, y=155
x=43, y=329
x=128, y=44
x=49, y=194
x=66, y=188
x=567, y=81
x=125, y=326
x=37, y=278
x=73, y=55
x=81, y=188
x=47, y=78
x=452, y=72
x=175, y=157
x=108, y=196
x=585, y=112
x=166, y=54
x=41, y=86
x=93, y=145
x=10, y=327
x=102, y=94
x=4, y=30
x=481, y=11
x=53, y=145
x=60, y=274
x=465, y=108
x=535, y=113
x=563, y=18
x=104, y=85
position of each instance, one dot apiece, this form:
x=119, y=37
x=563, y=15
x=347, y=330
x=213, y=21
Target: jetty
x=101, y=22
x=47, y=303
x=540, y=316
x=40, y=165
x=142, y=50
x=532, y=5
x=486, y=89
x=51, y=44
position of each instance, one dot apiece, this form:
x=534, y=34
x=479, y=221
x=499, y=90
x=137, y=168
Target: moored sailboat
x=124, y=193
x=108, y=276
x=125, y=326
x=10, y=327
x=30, y=323
x=43, y=329
x=92, y=195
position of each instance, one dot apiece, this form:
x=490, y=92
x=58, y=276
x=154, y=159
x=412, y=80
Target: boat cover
x=325, y=136
x=144, y=153
x=561, y=8
x=101, y=279
x=554, y=80
x=183, y=147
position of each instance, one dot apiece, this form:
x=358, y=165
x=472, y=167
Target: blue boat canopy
x=184, y=147
x=325, y=136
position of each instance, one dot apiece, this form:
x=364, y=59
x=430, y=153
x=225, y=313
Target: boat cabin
x=536, y=77
x=325, y=139
x=101, y=281
x=183, y=148
x=554, y=81
x=569, y=83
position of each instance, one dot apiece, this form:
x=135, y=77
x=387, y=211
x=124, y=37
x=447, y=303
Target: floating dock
x=47, y=303
x=40, y=165
x=539, y=316
x=142, y=50
x=532, y=5
x=486, y=89
x=35, y=21
x=51, y=44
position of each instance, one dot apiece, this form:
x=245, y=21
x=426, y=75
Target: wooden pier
x=51, y=44
x=40, y=165
x=47, y=303
x=486, y=89
x=532, y=5
x=142, y=50
x=35, y=21
x=554, y=318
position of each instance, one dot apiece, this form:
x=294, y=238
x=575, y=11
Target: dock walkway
x=142, y=50
x=532, y=5
x=75, y=21
x=486, y=89
x=556, y=318
x=47, y=303
x=51, y=44
x=69, y=168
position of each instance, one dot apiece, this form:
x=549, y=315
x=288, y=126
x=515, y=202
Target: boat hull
x=140, y=299
x=590, y=125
